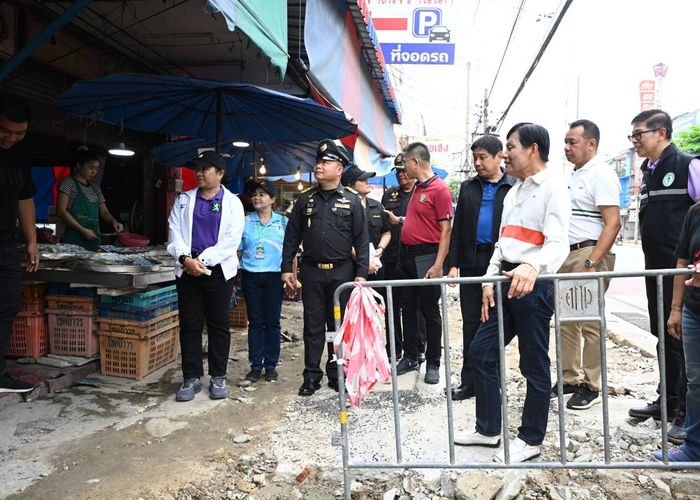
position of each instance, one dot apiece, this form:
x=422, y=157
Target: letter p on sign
x=424, y=20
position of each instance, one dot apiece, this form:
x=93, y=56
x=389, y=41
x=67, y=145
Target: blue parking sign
x=424, y=20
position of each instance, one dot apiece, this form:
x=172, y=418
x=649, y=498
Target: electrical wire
x=535, y=62
x=505, y=51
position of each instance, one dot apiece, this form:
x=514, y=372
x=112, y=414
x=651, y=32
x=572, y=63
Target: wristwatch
x=182, y=258
x=379, y=247
x=588, y=264
x=401, y=219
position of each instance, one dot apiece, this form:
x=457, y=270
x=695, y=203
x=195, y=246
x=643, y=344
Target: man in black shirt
x=395, y=201
x=329, y=220
x=377, y=222
x=16, y=191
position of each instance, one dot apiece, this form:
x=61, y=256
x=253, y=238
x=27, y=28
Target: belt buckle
x=325, y=267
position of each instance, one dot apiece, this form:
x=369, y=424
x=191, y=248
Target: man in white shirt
x=533, y=240
x=595, y=221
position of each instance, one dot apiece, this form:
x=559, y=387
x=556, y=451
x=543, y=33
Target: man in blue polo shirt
x=474, y=233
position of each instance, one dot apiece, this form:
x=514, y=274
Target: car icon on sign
x=439, y=33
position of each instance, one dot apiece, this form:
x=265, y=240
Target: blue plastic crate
x=143, y=300
x=130, y=314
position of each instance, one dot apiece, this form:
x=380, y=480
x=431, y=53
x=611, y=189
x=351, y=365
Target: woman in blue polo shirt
x=261, y=257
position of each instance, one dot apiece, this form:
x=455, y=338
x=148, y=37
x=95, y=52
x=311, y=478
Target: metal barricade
x=585, y=287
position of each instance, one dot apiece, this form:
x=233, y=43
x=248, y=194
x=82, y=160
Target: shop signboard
x=415, y=31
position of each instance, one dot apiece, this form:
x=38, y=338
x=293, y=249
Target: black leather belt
x=583, y=244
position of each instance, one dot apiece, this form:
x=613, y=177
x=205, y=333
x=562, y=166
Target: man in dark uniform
x=16, y=202
x=666, y=194
x=356, y=179
x=474, y=234
x=395, y=201
x=330, y=221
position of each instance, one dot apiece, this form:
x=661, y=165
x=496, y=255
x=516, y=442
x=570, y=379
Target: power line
x=536, y=61
x=505, y=51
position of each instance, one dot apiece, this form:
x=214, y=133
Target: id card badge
x=260, y=252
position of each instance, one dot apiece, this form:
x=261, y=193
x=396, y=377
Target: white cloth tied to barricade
x=365, y=361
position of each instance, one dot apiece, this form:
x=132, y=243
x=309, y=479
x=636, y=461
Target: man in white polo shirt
x=595, y=221
x=533, y=240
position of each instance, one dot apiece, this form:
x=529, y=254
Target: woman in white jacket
x=205, y=228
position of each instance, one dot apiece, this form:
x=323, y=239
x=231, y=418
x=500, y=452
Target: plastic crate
x=143, y=300
x=238, y=316
x=32, y=292
x=123, y=355
x=128, y=313
x=140, y=329
x=33, y=306
x=66, y=289
x=29, y=338
x=73, y=333
x=71, y=303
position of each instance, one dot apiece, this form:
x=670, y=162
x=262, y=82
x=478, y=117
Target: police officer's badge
x=323, y=147
x=668, y=179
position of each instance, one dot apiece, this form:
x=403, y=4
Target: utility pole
x=486, y=111
x=466, y=168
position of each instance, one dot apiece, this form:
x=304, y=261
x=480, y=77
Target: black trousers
x=676, y=382
x=424, y=299
x=200, y=299
x=393, y=272
x=317, y=296
x=470, y=303
x=10, y=279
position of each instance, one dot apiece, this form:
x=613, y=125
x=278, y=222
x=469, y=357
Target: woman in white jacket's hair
x=205, y=228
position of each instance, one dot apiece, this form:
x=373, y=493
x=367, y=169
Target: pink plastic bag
x=365, y=360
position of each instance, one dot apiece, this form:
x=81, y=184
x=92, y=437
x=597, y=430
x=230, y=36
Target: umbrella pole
x=219, y=97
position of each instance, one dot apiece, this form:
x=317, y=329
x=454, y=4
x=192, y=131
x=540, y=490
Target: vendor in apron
x=81, y=204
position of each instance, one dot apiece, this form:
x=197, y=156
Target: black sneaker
x=653, y=410
x=8, y=383
x=567, y=389
x=406, y=365
x=583, y=398
x=271, y=374
x=253, y=375
x=432, y=374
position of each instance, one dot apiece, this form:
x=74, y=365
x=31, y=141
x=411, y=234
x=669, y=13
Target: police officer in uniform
x=356, y=179
x=330, y=221
x=395, y=201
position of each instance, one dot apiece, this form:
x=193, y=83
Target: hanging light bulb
x=300, y=186
x=297, y=175
x=121, y=149
x=262, y=170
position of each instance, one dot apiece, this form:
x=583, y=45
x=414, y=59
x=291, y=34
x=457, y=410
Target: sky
x=603, y=48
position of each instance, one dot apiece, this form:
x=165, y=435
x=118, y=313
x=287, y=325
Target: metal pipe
x=43, y=36
x=343, y=415
x=603, y=334
x=394, y=377
x=502, y=374
x=662, y=364
x=527, y=465
x=448, y=373
x=560, y=372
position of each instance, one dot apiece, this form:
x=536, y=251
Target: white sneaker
x=520, y=451
x=473, y=438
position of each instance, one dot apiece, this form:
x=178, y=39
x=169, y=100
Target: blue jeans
x=263, y=300
x=691, y=348
x=528, y=318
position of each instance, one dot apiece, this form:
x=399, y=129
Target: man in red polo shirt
x=425, y=240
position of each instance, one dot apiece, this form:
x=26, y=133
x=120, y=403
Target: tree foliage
x=454, y=184
x=689, y=140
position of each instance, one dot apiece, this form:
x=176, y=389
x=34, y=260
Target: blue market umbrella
x=280, y=158
x=204, y=109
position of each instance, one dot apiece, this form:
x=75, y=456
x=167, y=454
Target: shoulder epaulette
x=351, y=190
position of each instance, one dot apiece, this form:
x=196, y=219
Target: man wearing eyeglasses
x=425, y=240
x=671, y=183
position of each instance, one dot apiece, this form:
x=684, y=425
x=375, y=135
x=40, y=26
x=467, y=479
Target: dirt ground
x=134, y=441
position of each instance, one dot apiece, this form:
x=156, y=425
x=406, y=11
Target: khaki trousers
x=581, y=363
